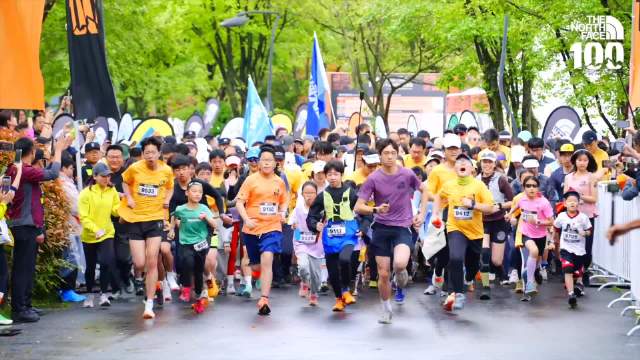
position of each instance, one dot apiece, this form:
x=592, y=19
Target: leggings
x=339, y=267
x=4, y=271
x=235, y=248
x=100, y=253
x=192, y=266
x=463, y=251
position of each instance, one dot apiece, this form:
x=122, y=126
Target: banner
x=317, y=117
x=91, y=85
x=562, y=123
x=634, y=81
x=21, y=83
x=257, y=123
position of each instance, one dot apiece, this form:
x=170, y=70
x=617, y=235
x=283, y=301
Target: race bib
x=336, y=230
x=148, y=190
x=570, y=236
x=268, y=209
x=307, y=238
x=529, y=216
x=201, y=245
x=462, y=213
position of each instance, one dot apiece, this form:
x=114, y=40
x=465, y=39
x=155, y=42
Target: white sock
x=148, y=305
x=230, y=279
x=247, y=282
x=386, y=305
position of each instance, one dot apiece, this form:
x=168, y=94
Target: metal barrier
x=615, y=264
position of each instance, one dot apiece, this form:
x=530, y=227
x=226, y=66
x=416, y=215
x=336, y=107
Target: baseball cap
x=505, y=135
x=431, y=158
x=318, y=166
x=362, y=147
x=279, y=153
x=531, y=164
x=487, y=155
x=299, y=141
x=451, y=140
x=346, y=140
x=224, y=141
x=567, y=148
x=101, y=169
x=525, y=135
x=232, y=160
x=589, y=136
x=371, y=157
x=460, y=129
x=465, y=157
x=91, y=146
x=189, y=135
x=253, y=153
x=436, y=154
x=287, y=140
x=170, y=139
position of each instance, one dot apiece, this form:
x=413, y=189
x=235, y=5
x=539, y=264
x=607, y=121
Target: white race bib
x=268, y=209
x=307, y=238
x=529, y=216
x=201, y=245
x=462, y=213
x=148, y=190
x=336, y=230
x=570, y=236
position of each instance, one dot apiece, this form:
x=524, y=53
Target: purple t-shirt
x=397, y=189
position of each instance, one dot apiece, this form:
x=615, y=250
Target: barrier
x=615, y=263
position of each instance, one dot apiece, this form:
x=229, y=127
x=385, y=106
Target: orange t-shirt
x=263, y=198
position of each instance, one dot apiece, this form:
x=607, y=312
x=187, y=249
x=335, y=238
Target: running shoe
x=324, y=289
x=386, y=317
x=573, y=301
x=231, y=289
x=485, y=293
x=148, y=311
x=263, y=306
x=519, y=287
x=172, y=279
x=128, y=287
x=159, y=296
x=531, y=289
x=339, y=306
x=402, y=279
x=399, y=297
x=185, y=294
x=544, y=274
x=5, y=321
x=525, y=298
x=579, y=289
x=166, y=290
x=513, y=276
x=313, y=300
x=115, y=296
x=537, y=277
x=139, y=287
x=212, y=288
x=199, y=306
x=70, y=296
x=373, y=284
x=304, y=290
x=459, y=303
x=245, y=291
x=430, y=290
x=104, y=300
x=449, y=302
x=347, y=298
x=88, y=301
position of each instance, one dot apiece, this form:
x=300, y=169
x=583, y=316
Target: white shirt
x=570, y=228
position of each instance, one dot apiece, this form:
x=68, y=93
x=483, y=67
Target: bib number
x=461, y=213
x=201, y=245
x=529, y=216
x=307, y=238
x=268, y=209
x=148, y=190
x=570, y=236
x=336, y=230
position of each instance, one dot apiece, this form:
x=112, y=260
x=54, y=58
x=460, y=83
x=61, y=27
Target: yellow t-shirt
x=467, y=221
x=440, y=175
x=507, y=154
x=358, y=177
x=295, y=177
x=149, y=189
x=601, y=155
x=262, y=198
x=409, y=163
x=216, y=180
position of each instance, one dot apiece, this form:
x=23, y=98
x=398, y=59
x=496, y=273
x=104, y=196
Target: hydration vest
x=340, y=211
x=494, y=187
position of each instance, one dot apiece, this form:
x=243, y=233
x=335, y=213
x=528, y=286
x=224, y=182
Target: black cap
x=189, y=135
x=362, y=147
x=224, y=141
x=170, y=139
x=346, y=140
x=279, y=152
x=464, y=156
x=91, y=146
x=460, y=128
x=589, y=136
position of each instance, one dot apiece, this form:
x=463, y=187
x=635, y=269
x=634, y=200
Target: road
x=502, y=328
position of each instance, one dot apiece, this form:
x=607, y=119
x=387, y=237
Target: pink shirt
x=582, y=185
x=541, y=209
x=299, y=218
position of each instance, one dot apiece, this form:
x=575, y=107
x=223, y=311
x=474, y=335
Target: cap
x=232, y=160
x=91, y=146
x=362, y=147
x=371, y=157
x=465, y=157
x=299, y=141
x=505, y=135
x=451, y=140
x=224, y=141
x=101, y=169
x=460, y=129
x=189, y=135
x=279, y=153
x=170, y=139
x=287, y=140
x=431, y=158
x=437, y=154
x=518, y=152
x=253, y=153
x=567, y=148
x=487, y=155
x=589, y=136
x=346, y=140
x=318, y=166
x=531, y=164
x=525, y=135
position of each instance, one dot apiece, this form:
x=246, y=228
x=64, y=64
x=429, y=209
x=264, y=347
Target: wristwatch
x=375, y=210
x=473, y=204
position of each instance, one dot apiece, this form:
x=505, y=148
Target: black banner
x=91, y=86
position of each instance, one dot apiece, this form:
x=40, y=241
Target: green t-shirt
x=192, y=229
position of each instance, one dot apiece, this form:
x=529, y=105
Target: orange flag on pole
x=21, y=83
x=634, y=82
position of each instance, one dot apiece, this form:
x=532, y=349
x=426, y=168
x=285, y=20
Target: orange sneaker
x=347, y=298
x=313, y=300
x=199, y=306
x=212, y=288
x=339, y=306
x=263, y=306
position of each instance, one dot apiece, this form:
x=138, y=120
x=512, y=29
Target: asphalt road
x=502, y=328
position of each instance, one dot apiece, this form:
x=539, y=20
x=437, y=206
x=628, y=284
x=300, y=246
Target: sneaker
x=5, y=321
x=70, y=296
x=537, y=277
x=159, y=295
x=104, y=300
x=430, y=290
x=199, y=306
x=544, y=274
x=471, y=286
x=449, y=302
x=148, y=310
x=513, y=276
x=139, y=287
x=313, y=300
x=485, y=293
x=172, y=280
x=324, y=288
x=459, y=303
x=579, y=289
x=505, y=282
x=263, y=306
x=212, y=288
x=25, y=316
x=531, y=289
x=115, y=296
x=402, y=279
x=386, y=317
x=185, y=294
x=519, y=287
x=573, y=301
x=88, y=301
x=373, y=284
x=525, y=298
x=231, y=289
x=128, y=287
x=304, y=290
x=347, y=298
x=339, y=306
x=166, y=290
x=399, y=297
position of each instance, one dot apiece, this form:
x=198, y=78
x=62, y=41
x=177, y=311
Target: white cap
x=436, y=153
x=239, y=143
x=232, y=160
x=371, y=159
x=318, y=166
x=487, y=155
x=531, y=164
x=518, y=152
x=451, y=140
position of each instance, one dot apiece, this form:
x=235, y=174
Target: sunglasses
x=531, y=186
x=252, y=160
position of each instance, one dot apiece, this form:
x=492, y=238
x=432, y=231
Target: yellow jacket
x=95, y=208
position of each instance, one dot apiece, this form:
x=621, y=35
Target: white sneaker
x=543, y=273
x=231, y=289
x=386, y=317
x=166, y=290
x=172, y=280
x=115, y=296
x=88, y=301
x=431, y=290
x=513, y=276
x=104, y=300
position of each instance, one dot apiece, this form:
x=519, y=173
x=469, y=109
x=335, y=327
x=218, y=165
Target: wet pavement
x=501, y=328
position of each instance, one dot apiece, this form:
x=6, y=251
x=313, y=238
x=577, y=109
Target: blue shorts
x=258, y=244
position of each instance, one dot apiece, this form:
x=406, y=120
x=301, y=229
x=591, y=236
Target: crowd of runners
x=332, y=214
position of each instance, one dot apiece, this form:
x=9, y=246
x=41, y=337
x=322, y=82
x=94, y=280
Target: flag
x=634, y=81
x=317, y=117
x=21, y=83
x=257, y=123
x=91, y=87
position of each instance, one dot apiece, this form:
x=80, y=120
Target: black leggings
x=339, y=268
x=102, y=253
x=4, y=271
x=192, y=266
x=463, y=251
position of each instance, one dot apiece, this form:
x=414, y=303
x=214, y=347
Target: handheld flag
x=257, y=123
x=318, y=90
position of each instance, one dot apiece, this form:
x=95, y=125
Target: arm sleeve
x=215, y=194
x=316, y=213
x=506, y=189
x=83, y=212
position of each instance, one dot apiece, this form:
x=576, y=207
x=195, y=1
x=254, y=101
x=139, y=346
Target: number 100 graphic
x=593, y=55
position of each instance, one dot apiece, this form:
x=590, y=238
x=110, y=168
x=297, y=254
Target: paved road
x=502, y=328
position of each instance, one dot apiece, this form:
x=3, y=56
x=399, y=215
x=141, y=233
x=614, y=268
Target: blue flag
x=318, y=91
x=257, y=123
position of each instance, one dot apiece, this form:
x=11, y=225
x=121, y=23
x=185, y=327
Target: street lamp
x=240, y=20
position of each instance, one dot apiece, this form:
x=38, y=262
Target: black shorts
x=144, y=229
x=385, y=238
x=498, y=231
x=541, y=243
x=571, y=259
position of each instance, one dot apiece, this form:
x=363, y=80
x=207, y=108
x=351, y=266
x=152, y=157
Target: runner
x=468, y=199
x=262, y=204
x=392, y=188
x=148, y=188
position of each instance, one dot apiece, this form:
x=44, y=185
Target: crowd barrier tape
x=618, y=265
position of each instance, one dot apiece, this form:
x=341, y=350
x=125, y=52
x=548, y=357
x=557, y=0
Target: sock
x=386, y=305
x=148, y=305
x=140, y=279
x=484, y=270
x=230, y=279
x=531, y=269
x=498, y=271
x=247, y=283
